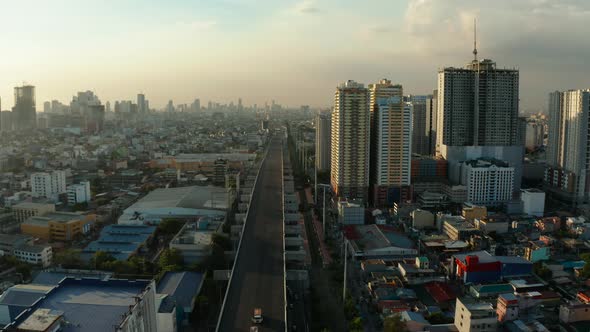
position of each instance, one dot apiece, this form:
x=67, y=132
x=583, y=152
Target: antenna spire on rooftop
x=475, y=39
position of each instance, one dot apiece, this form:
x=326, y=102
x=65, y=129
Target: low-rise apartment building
x=25, y=210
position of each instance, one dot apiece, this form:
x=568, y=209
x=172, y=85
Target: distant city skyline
x=291, y=51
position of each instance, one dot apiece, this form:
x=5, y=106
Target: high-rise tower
x=24, y=110
x=391, y=144
x=350, y=141
x=322, y=142
x=477, y=114
x=568, y=155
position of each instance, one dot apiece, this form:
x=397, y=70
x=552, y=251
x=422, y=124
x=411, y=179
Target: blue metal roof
x=181, y=286
x=53, y=278
x=119, y=240
x=20, y=298
x=90, y=305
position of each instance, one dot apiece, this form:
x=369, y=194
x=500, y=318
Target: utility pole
x=345, y=259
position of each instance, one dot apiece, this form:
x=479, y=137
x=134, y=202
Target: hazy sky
x=293, y=51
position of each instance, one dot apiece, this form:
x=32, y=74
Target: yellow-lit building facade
x=58, y=226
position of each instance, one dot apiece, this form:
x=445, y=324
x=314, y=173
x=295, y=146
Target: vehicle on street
x=257, y=318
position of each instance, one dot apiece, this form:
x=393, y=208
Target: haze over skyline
x=295, y=52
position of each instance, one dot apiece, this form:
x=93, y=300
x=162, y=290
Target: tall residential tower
x=477, y=115
x=24, y=112
x=350, y=141
x=391, y=144
x=322, y=142
x=568, y=155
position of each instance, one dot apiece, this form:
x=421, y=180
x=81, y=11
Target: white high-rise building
x=48, y=185
x=322, y=142
x=391, y=144
x=349, y=175
x=488, y=182
x=534, y=135
x=79, y=193
x=568, y=155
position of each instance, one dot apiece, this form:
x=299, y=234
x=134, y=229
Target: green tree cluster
x=68, y=259
x=170, y=226
x=394, y=323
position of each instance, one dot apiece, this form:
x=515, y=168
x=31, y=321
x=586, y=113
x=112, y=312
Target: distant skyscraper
x=46, y=107
x=95, y=118
x=170, y=107
x=322, y=142
x=6, y=121
x=141, y=106
x=24, y=110
x=350, y=141
x=534, y=134
x=196, y=105
x=568, y=155
x=420, y=124
x=108, y=107
x=82, y=102
x=391, y=143
x=240, y=106
x=57, y=107
x=431, y=122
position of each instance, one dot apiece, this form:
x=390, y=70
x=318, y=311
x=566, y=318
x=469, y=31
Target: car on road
x=257, y=318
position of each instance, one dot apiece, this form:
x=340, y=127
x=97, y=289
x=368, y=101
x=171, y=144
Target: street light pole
x=324, y=212
x=324, y=186
x=316, y=183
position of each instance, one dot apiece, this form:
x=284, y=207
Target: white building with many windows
x=34, y=254
x=79, y=193
x=473, y=316
x=488, y=181
x=391, y=142
x=568, y=154
x=349, y=144
x=48, y=185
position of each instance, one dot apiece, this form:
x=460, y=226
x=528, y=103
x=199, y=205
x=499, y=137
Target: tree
x=438, y=318
x=25, y=270
x=68, y=259
x=80, y=206
x=394, y=323
x=542, y=271
x=170, y=226
x=350, y=310
x=221, y=240
x=356, y=324
x=101, y=259
x=170, y=259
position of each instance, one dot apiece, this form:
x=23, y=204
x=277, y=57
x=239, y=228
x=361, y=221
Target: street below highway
x=258, y=276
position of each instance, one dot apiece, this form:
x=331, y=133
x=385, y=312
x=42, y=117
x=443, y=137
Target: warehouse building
x=481, y=266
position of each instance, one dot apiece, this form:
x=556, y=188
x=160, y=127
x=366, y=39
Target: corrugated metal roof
x=181, y=286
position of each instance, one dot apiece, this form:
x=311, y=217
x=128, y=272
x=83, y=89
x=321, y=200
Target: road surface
x=258, y=280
